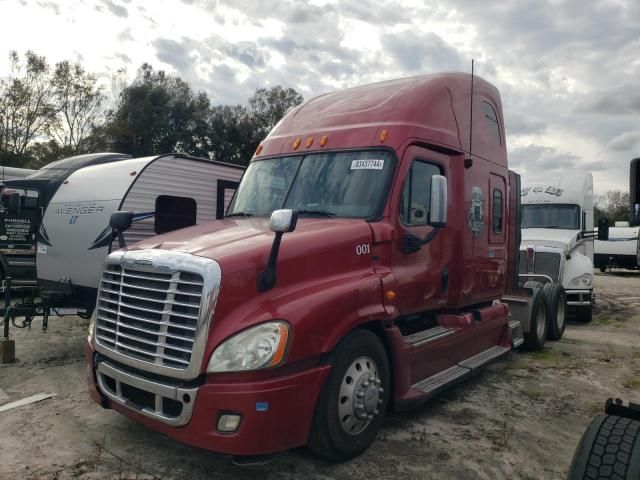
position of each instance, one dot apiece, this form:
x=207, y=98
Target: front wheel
x=556, y=302
x=354, y=399
x=534, y=339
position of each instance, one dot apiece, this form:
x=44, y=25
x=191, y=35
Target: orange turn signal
x=296, y=144
x=282, y=346
x=390, y=294
x=383, y=136
x=323, y=140
x=258, y=150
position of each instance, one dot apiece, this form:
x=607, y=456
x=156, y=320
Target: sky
x=568, y=70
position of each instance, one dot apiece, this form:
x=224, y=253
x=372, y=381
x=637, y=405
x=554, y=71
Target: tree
x=79, y=99
x=268, y=106
x=28, y=106
x=614, y=205
x=158, y=113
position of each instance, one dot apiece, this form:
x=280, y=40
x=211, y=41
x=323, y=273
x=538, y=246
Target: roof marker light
x=258, y=150
x=383, y=136
x=296, y=144
x=309, y=141
x=323, y=140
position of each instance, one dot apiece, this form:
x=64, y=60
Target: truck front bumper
x=578, y=298
x=276, y=414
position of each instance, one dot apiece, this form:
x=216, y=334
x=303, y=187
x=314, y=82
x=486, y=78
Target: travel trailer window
x=491, y=119
x=497, y=211
x=551, y=216
x=343, y=184
x=416, y=194
x=173, y=213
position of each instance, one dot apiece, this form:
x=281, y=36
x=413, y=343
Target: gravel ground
x=521, y=419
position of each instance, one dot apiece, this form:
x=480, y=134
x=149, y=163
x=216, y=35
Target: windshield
x=551, y=216
x=345, y=184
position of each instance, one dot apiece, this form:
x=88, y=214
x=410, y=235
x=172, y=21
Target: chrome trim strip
x=169, y=262
x=158, y=389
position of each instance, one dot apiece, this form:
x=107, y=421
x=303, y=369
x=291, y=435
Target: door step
x=517, y=334
x=437, y=382
x=481, y=359
x=429, y=335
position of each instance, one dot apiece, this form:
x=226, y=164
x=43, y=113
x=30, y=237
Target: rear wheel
x=556, y=302
x=534, y=339
x=354, y=399
x=609, y=449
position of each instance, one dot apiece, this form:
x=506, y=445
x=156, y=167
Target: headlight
x=583, y=280
x=262, y=346
x=92, y=325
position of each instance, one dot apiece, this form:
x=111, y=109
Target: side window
x=491, y=119
x=416, y=194
x=173, y=213
x=497, y=211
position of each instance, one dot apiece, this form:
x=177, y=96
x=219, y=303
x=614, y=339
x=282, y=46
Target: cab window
x=416, y=194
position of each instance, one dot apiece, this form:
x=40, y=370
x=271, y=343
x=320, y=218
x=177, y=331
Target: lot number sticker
x=367, y=164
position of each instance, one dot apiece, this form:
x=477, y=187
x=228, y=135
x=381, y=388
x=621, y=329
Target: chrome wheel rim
x=360, y=397
x=542, y=321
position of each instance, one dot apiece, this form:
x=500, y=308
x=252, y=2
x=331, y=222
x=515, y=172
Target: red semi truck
x=359, y=269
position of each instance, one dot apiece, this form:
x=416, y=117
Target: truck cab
x=557, y=241
x=359, y=269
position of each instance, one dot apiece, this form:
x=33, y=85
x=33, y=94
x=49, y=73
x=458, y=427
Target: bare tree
x=79, y=99
x=27, y=103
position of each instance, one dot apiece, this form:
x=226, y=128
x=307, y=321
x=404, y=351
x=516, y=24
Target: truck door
x=422, y=276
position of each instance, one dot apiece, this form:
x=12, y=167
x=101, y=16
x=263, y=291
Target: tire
x=329, y=437
x=580, y=313
x=556, y=303
x=608, y=449
x=533, y=284
x=538, y=324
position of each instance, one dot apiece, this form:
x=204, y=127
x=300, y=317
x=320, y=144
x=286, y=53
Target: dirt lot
x=521, y=419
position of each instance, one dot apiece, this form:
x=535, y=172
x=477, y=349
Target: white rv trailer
x=622, y=250
x=13, y=173
x=164, y=192
x=557, y=235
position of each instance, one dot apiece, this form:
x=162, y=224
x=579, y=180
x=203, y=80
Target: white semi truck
x=557, y=237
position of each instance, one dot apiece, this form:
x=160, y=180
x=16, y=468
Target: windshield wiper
x=240, y=214
x=320, y=213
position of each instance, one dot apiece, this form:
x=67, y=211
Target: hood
x=240, y=243
x=549, y=237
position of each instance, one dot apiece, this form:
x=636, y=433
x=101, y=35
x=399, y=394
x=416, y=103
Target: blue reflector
x=262, y=406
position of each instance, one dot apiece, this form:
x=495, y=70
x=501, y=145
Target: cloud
x=520, y=124
x=625, y=141
x=117, y=10
x=540, y=158
x=50, y=5
x=125, y=35
x=172, y=53
x=422, y=52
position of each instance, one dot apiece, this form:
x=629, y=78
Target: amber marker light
x=323, y=140
x=309, y=141
x=383, y=136
x=296, y=144
x=258, y=150
x=390, y=294
x=282, y=346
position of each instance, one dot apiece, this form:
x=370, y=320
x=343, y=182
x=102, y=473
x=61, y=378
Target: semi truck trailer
x=361, y=267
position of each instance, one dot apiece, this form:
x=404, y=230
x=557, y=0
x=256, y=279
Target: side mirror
x=283, y=221
x=603, y=229
x=119, y=223
x=438, y=209
x=14, y=203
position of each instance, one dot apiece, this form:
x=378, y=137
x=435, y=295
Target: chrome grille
x=547, y=264
x=147, y=315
